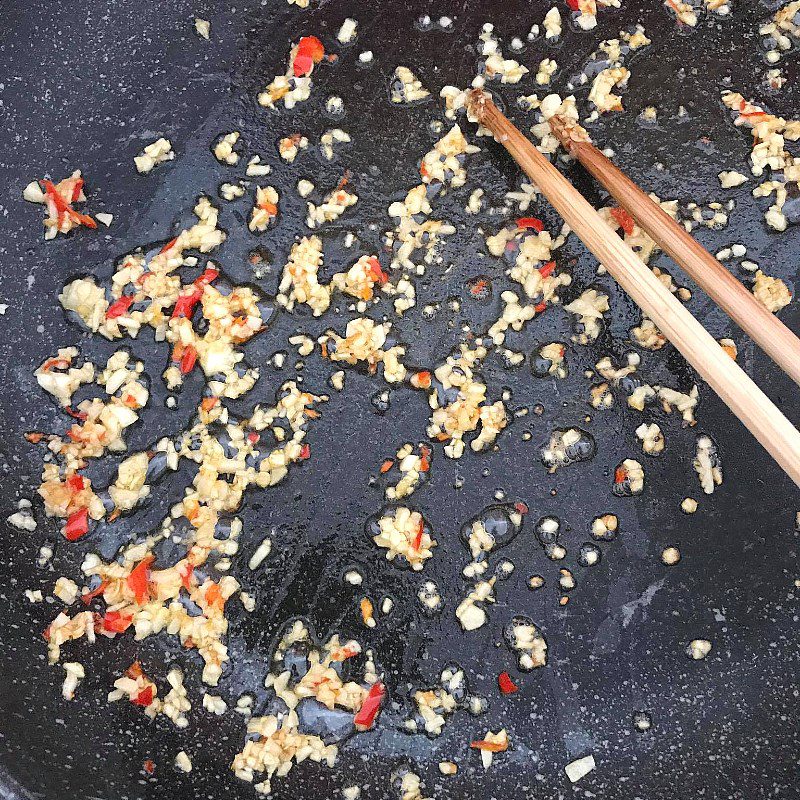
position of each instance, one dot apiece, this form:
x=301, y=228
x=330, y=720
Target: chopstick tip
x=567, y=131
x=476, y=103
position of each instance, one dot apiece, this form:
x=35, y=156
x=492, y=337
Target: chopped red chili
x=139, y=579
x=87, y=597
x=188, y=359
x=531, y=222
x=507, y=686
x=184, y=305
x=366, y=715
x=168, y=245
x=76, y=482
x=186, y=575
x=492, y=747
x=144, y=698
x=77, y=525
x=623, y=219
x=418, y=537
x=119, y=307
x=547, y=269
x=115, y=622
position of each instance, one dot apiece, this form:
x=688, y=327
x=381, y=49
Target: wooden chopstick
x=774, y=338
x=736, y=389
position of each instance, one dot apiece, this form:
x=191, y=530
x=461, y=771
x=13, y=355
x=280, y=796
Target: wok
x=88, y=85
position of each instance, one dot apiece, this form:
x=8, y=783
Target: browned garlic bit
x=223, y=149
x=782, y=32
x=651, y=437
x=684, y=12
x=156, y=153
x=404, y=533
x=587, y=11
x=406, y=87
x=203, y=28
x=331, y=208
x=670, y=556
x=707, y=464
x=769, y=152
x=280, y=741
x=265, y=208
x=771, y=292
x=698, y=649
x=526, y=641
x=628, y=478
x=469, y=411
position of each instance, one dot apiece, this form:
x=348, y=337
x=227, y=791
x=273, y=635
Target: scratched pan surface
x=87, y=87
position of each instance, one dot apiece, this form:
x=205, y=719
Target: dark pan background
x=88, y=85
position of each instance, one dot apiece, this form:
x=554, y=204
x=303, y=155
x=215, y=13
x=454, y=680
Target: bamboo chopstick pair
x=736, y=389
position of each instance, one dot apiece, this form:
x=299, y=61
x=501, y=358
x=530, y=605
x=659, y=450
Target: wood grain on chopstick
x=774, y=338
x=736, y=389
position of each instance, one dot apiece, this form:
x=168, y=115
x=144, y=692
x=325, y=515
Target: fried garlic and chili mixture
x=172, y=581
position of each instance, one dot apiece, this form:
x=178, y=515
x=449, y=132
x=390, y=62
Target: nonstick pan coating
x=88, y=85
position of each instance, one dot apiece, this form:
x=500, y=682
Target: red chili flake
x=375, y=271
x=214, y=596
x=87, y=597
x=59, y=202
x=531, y=222
x=77, y=525
x=418, y=537
x=423, y=379
x=620, y=475
x=208, y=403
x=139, y=578
x=573, y=4
x=623, y=219
x=119, y=307
x=492, y=747
x=81, y=219
x=114, y=622
x=63, y=207
x=539, y=307
x=302, y=65
x=371, y=706
x=168, y=245
x=149, y=766
x=547, y=269
x=186, y=575
x=144, y=698
x=253, y=437
x=76, y=482
x=312, y=46
x=507, y=686
x=521, y=507
x=184, y=305
x=305, y=452
x=188, y=359
x=207, y=276
x=387, y=465
x=81, y=415
x=76, y=190
x=310, y=51
x=55, y=363
x=425, y=457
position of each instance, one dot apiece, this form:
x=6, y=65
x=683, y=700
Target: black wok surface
x=88, y=85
